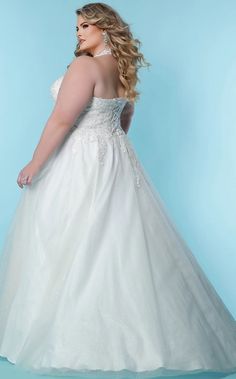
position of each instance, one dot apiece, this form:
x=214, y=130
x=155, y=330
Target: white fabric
x=95, y=278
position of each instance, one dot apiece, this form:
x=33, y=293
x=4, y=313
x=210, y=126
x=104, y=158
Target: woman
x=94, y=275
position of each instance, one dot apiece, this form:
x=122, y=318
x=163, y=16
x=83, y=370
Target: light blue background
x=184, y=127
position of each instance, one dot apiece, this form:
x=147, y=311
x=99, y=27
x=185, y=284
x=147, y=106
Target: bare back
x=108, y=84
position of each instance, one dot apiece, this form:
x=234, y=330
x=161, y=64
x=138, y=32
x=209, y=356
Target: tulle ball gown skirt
x=96, y=280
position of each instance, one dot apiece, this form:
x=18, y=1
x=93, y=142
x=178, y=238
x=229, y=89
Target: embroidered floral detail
x=100, y=122
x=103, y=137
x=136, y=165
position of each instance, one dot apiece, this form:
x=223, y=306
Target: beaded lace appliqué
x=100, y=122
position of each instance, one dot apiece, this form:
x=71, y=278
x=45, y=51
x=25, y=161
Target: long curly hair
x=124, y=47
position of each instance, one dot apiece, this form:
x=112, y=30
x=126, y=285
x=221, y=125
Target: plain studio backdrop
x=184, y=127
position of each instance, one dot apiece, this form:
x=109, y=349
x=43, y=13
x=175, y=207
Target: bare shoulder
x=83, y=61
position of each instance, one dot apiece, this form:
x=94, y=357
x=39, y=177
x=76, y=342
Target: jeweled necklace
x=105, y=51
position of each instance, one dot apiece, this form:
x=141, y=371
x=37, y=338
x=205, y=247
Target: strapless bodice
x=100, y=122
x=99, y=112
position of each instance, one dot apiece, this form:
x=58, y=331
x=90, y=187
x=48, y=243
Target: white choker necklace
x=105, y=51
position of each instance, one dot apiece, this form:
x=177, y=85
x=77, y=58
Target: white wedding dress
x=94, y=277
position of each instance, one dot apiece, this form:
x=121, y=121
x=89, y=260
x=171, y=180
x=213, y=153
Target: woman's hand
x=27, y=173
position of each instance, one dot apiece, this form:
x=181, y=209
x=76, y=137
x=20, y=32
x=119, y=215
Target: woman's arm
x=75, y=92
x=126, y=116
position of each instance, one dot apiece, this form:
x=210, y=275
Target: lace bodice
x=100, y=112
x=100, y=121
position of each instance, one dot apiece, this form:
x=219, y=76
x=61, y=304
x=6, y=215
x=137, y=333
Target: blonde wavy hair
x=124, y=47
